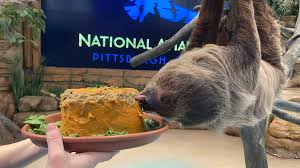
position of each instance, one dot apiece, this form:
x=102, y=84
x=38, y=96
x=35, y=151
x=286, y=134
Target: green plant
x=99, y=85
x=280, y=8
x=56, y=90
x=16, y=78
x=24, y=83
x=13, y=15
x=34, y=82
x=294, y=8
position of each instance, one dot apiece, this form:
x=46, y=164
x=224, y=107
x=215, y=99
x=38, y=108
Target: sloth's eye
x=164, y=99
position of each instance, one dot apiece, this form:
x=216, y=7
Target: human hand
x=59, y=158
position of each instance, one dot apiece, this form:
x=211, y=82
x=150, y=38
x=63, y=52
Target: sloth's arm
x=269, y=34
x=246, y=37
x=207, y=25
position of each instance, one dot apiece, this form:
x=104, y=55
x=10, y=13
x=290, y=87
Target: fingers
x=91, y=158
x=56, y=153
x=54, y=139
x=57, y=157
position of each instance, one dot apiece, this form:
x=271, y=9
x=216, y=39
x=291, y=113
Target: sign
x=107, y=34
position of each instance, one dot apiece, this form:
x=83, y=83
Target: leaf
x=35, y=120
x=43, y=126
x=58, y=124
x=30, y=130
x=13, y=15
x=73, y=135
x=39, y=131
x=111, y=132
x=150, y=124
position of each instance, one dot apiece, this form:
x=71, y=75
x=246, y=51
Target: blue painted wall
x=107, y=34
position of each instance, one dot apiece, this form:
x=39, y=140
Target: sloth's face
x=180, y=95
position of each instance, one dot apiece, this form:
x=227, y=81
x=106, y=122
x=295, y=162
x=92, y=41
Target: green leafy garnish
x=30, y=130
x=37, y=123
x=111, y=132
x=58, y=124
x=39, y=131
x=73, y=135
x=35, y=120
x=38, y=126
x=151, y=124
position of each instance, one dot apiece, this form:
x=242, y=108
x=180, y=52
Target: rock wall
x=7, y=107
x=283, y=138
x=6, y=51
x=9, y=131
x=80, y=77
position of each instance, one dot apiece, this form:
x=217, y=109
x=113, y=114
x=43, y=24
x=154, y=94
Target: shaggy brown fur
x=227, y=85
x=268, y=30
x=207, y=25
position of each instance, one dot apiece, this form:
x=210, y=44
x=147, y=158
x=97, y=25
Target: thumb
x=54, y=140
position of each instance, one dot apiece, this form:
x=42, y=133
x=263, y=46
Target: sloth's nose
x=140, y=98
x=144, y=102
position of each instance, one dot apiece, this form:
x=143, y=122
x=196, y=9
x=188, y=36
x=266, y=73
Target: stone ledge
x=4, y=82
x=105, y=72
x=65, y=71
x=4, y=65
x=136, y=81
x=139, y=73
x=92, y=78
x=4, y=89
x=62, y=78
x=4, y=71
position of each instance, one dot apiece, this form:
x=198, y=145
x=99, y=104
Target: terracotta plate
x=101, y=143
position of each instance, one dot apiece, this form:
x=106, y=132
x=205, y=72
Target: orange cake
x=91, y=111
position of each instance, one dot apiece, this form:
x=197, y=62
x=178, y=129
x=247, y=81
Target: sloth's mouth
x=145, y=102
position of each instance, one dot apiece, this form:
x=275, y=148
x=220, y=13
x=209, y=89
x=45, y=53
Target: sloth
x=222, y=79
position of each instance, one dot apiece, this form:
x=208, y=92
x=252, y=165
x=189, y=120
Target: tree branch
x=287, y=105
x=287, y=31
x=165, y=47
x=293, y=54
x=285, y=116
x=50, y=94
x=254, y=145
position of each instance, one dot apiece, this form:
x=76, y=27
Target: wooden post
x=36, y=58
x=254, y=145
x=27, y=46
x=37, y=54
